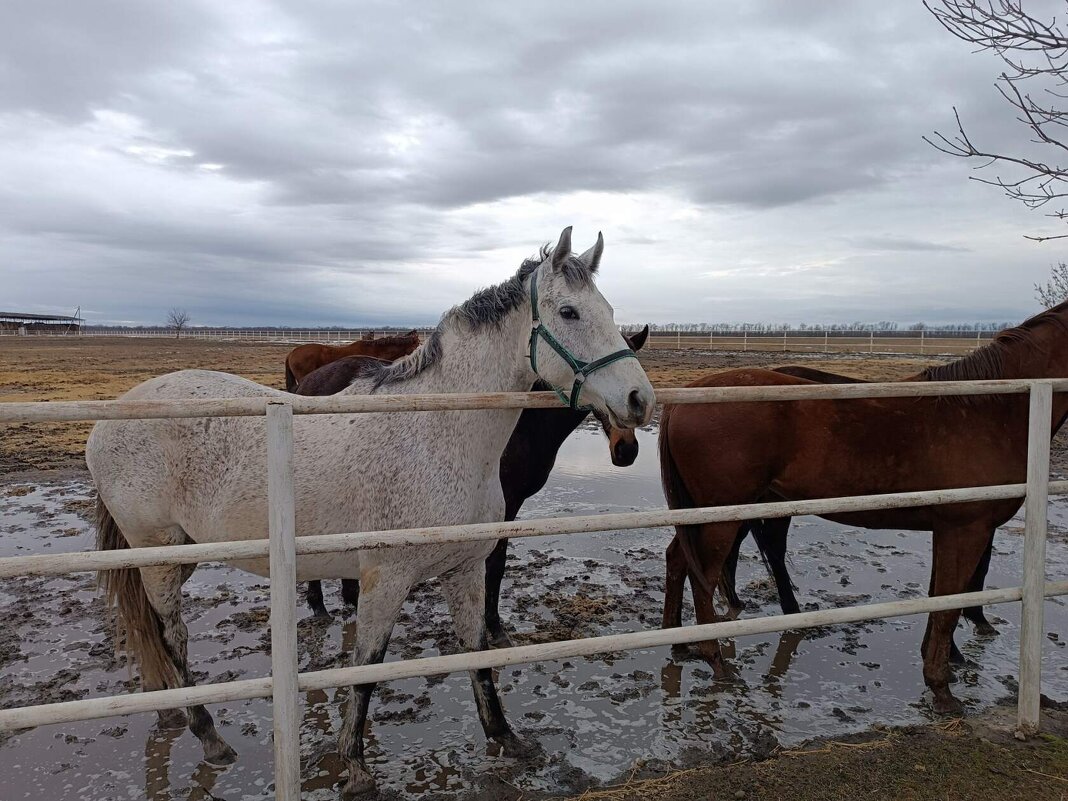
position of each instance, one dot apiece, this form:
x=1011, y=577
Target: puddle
x=595, y=717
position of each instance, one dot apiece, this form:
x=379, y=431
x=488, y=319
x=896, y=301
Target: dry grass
x=47, y=369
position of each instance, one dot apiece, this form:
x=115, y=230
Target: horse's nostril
x=636, y=403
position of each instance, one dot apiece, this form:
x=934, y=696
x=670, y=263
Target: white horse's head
x=578, y=348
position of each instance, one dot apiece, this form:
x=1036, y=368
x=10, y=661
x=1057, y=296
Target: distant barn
x=15, y=322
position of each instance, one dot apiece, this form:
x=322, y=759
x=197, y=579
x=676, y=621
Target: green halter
x=580, y=368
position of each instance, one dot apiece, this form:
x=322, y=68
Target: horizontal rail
x=38, y=411
x=81, y=561
x=94, y=708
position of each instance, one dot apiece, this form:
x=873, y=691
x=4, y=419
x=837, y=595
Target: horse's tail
x=291, y=380
x=678, y=497
x=138, y=627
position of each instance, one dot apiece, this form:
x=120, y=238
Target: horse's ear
x=562, y=249
x=592, y=257
x=637, y=341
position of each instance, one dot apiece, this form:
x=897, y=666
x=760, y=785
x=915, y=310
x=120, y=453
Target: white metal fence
x=286, y=683
x=325, y=336
x=955, y=343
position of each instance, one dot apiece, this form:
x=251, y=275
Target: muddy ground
x=616, y=726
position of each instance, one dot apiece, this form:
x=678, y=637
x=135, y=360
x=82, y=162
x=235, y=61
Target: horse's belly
x=310, y=566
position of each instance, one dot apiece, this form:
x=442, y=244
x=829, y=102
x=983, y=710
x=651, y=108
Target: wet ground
x=597, y=719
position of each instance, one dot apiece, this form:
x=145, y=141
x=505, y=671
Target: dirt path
x=959, y=760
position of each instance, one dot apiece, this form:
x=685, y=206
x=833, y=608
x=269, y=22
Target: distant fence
x=953, y=343
x=234, y=334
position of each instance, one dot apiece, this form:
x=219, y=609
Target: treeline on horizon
x=666, y=328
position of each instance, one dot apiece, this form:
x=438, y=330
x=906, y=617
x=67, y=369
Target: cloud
x=240, y=154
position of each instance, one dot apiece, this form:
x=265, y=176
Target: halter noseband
x=580, y=368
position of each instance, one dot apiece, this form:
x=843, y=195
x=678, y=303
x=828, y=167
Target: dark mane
x=989, y=361
x=485, y=308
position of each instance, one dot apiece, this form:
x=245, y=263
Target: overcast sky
x=333, y=163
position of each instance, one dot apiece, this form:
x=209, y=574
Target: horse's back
x=335, y=376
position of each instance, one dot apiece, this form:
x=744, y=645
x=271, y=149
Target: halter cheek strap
x=580, y=368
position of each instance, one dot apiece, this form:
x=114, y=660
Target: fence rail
x=282, y=546
x=955, y=343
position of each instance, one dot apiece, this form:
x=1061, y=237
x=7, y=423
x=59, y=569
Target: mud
x=599, y=720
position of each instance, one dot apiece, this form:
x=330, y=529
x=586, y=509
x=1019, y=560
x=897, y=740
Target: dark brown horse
x=729, y=453
x=525, y=466
x=304, y=359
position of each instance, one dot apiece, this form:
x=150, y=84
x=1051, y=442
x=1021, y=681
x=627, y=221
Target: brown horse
x=770, y=536
x=729, y=453
x=303, y=359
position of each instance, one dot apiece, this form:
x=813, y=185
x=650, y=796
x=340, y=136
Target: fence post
x=921, y=341
x=282, y=531
x=1034, y=558
x=826, y=342
x=678, y=340
x=784, y=340
x=871, y=342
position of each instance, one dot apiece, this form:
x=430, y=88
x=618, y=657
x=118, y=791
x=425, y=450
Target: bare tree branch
x=178, y=319
x=1035, y=53
x=1055, y=290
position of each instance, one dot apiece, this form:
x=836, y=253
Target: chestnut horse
x=770, y=536
x=732, y=453
x=303, y=359
x=525, y=466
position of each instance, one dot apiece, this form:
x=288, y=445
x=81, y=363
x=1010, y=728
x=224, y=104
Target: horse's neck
x=1047, y=358
x=490, y=359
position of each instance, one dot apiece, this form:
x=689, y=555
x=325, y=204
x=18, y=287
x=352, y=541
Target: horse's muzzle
x=624, y=452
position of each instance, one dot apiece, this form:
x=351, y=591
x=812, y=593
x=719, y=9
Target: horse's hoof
x=322, y=616
x=499, y=639
x=359, y=784
x=984, y=629
x=172, y=720
x=946, y=704
x=219, y=753
x=515, y=747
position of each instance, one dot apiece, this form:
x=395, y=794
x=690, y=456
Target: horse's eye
x=569, y=313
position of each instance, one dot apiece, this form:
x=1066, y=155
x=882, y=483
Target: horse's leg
x=955, y=656
x=975, y=613
x=957, y=552
x=674, y=584
x=729, y=584
x=771, y=537
x=315, y=600
x=163, y=587
x=350, y=592
x=495, y=564
x=464, y=590
x=169, y=719
x=711, y=546
x=383, y=597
